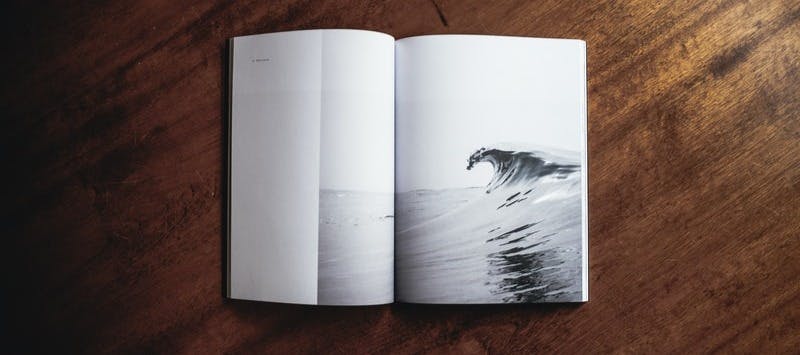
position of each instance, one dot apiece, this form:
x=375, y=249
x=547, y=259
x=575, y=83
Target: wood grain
x=113, y=147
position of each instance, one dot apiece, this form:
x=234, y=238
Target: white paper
x=312, y=173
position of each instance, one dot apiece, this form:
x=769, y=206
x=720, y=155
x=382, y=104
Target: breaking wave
x=513, y=168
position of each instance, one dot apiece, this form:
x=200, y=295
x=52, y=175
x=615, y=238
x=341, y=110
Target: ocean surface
x=356, y=248
x=518, y=239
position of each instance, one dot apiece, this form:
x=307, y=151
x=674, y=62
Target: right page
x=490, y=170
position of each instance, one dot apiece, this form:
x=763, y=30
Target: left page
x=312, y=168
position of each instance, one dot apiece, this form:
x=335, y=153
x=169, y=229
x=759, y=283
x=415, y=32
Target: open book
x=431, y=169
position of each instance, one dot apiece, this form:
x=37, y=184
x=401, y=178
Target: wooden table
x=113, y=150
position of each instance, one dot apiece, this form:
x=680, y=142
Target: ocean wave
x=513, y=168
x=520, y=241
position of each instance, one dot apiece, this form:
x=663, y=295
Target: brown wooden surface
x=113, y=147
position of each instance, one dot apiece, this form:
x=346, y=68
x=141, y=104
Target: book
x=431, y=169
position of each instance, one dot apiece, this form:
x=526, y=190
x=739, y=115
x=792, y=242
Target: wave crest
x=513, y=168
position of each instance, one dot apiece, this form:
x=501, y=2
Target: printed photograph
x=490, y=176
x=355, y=264
x=356, y=254
x=516, y=239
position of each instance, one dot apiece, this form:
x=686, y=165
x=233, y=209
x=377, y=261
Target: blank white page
x=274, y=166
